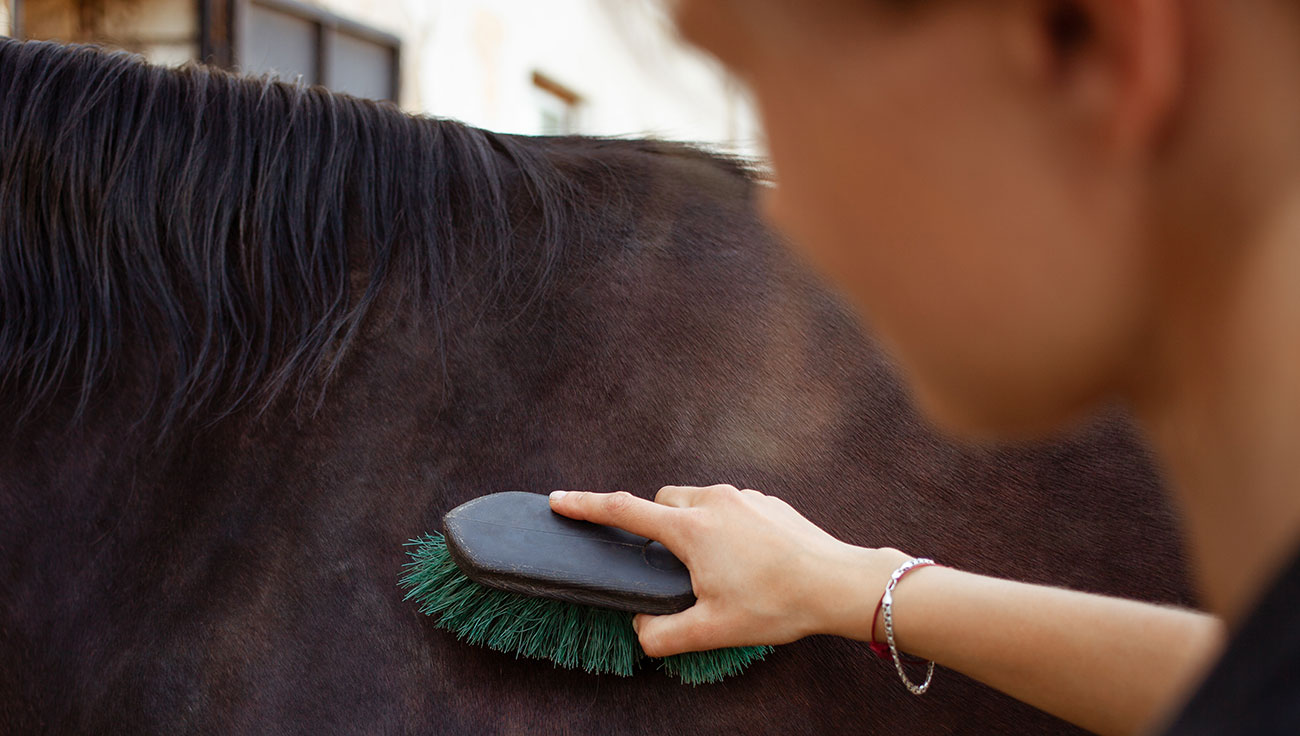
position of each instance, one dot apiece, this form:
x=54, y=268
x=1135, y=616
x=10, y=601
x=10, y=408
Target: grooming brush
x=512, y=575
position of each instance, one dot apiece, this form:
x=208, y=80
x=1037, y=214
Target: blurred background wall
x=598, y=67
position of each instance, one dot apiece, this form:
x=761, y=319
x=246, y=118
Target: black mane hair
x=214, y=221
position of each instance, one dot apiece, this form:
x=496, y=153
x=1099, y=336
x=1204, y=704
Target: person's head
x=1016, y=193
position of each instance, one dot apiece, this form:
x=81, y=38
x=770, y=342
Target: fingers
x=621, y=509
x=688, y=631
x=687, y=496
x=679, y=496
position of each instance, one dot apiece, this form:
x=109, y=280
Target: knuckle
x=651, y=643
x=722, y=493
x=619, y=502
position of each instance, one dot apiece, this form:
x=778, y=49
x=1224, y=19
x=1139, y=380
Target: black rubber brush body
x=514, y=541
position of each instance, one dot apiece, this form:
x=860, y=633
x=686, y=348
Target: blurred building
x=599, y=67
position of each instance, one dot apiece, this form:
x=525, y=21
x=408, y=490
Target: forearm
x=1107, y=664
x=763, y=574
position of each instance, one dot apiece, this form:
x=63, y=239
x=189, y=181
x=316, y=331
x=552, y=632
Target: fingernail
x=557, y=495
x=636, y=624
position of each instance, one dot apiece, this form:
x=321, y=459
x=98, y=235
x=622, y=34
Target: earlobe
x=1127, y=67
x=1159, y=66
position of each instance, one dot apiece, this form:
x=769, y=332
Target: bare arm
x=765, y=575
x=1109, y=665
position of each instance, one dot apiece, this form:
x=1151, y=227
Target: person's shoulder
x=1254, y=688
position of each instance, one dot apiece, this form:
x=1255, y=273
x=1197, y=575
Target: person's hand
x=762, y=573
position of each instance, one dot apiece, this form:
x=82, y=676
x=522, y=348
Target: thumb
x=688, y=631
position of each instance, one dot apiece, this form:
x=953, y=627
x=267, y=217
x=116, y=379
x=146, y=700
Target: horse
x=256, y=335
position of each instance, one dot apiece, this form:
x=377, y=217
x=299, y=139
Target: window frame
x=322, y=21
x=16, y=19
x=571, y=101
x=217, y=32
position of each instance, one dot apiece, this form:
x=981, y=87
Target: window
x=10, y=15
x=292, y=40
x=557, y=106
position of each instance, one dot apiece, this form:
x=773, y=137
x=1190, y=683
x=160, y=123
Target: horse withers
x=257, y=335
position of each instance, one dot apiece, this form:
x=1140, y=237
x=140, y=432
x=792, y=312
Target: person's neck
x=1223, y=409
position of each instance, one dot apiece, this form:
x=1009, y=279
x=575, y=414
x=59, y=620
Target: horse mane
x=236, y=230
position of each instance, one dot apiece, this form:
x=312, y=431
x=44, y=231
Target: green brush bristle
x=597, y=640
x=698, y=668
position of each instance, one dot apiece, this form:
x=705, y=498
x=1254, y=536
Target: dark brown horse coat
x=256, y=336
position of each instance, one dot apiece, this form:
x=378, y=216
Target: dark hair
x=215, y=221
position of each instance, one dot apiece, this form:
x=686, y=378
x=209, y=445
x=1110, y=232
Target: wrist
x=854, y=583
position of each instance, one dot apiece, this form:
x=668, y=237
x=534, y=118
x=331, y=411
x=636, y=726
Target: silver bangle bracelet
x=886, y=607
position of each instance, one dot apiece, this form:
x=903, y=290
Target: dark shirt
x=1255, y=687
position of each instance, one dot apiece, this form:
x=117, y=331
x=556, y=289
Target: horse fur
x=256, y=335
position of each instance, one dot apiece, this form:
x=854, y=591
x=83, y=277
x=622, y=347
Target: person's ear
x=1116, y=64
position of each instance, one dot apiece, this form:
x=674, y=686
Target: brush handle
x=514, y=542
